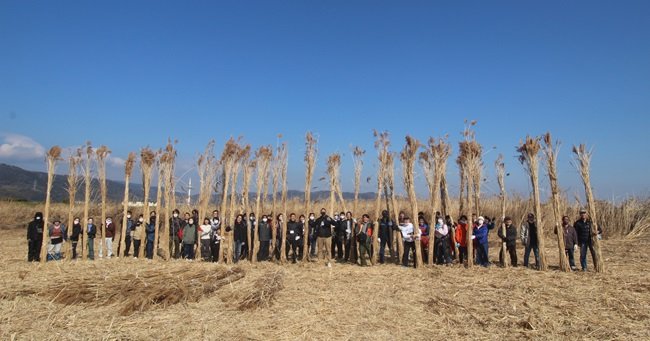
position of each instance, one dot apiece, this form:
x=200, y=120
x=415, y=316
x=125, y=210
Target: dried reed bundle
x=382, y=145
x=87, y=183
x=128, y=170
x=263, y=293
x=51, y=157
x=263, y=157
x=528, y=156
x=73, y=186
x=147, y=160
x=550, y=150
x=242, y=155
x=501, y=176
x=283, y=158
x=207, y=168
x=357, y=157
x=102, y=153
x=408, y=156
x=583, y=164
x=310, y=165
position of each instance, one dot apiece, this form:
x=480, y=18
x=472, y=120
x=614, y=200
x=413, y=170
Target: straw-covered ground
x=136, y=299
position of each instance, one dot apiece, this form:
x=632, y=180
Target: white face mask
x=311, y=217
x=440, y=221
x=480, y=222
x=76, y=221
x=141, y=219
x=342, y=217
x=128, y=216
x=108, y=221
x=175, y=215
x=38, y=218
x=264, y=220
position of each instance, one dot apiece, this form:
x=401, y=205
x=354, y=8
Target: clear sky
x=129, y=74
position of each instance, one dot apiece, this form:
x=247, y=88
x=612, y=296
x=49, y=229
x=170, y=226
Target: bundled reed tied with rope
x=501, y=176
x=357, y=158
x=128, y=170
x=472, y=167
x=51, y=158
x=442, y=151
x=87, y=182
x=102, y=153
x=382, y=145
x=583, y=164
x=263, y=157
x=227, y=160
x=167, y=164
x=283, y=156
x=147, y=160
x=550, y=150
x=463, y=185
x=73, y=186
x=429, y=160
x=249, y=166
x=207, y=168
x=408, y=156
x=389, y=179
x=242, y=155
x=529, y=157
x=158, y=252
x=310, y=165
x=263, y=292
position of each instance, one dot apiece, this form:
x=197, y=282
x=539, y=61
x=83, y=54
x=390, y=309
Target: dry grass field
x=138, y=299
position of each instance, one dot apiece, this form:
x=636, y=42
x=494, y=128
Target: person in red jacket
x=461, y=238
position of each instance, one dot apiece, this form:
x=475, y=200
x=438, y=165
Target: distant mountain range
x=20, y=184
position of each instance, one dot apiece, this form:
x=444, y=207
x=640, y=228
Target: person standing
x=324, y=224
x=461, y=239
x=189, y=238
x=110, y=236
x=408, y=240
x=240, y=236
x=424, y=240
x=294, y=235
x=215, y=245
x=35, y=238
x=386, y=227
x=350, y=239
x=313, y=235
x=205, y=231
x=58, y=235
x=585, y=231
x=128, y=237
x=364, y=237
x=441, y=235
x=137, y=233
x=510, y=238
x=151, y=235
x=264, y=235
x=570, y=240
x=77, y=231
x=91, y=232
x=529, y=238
x=175, y=225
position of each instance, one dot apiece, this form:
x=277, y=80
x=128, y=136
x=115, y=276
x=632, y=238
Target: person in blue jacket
x=151, y=235
x=481, y=239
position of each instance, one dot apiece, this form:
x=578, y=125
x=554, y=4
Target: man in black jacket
x=91, y=231
x=294, y=236
x=585, y=233
x=338, y=238
x=35, y=238
x=350, y=240
x=176, y=224
x=386, y=227
x=510, y=238
x=324, y=224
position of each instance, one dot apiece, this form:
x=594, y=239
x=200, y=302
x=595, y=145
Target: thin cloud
x=20, y=147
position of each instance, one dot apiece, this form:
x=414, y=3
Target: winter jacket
x=481, y=233
x=91, y=230
x=264, y=231
x=129, y=227
x=241, y=231
x=441, y=231
x=189, y=234
x=583, y=229
x=175, y=225
x=339, y=228
x=461, y=234
x=205, y=231
x=151, y=231
x=110, y=231
x=570, y=236
x=76, y=232
x=386, y=227
x=294, y=230
x=324, y=224
x=407, y=232
x=35, y=228
x=510, y=237
x=56, y=237
x=137, y=230
x=529, y=234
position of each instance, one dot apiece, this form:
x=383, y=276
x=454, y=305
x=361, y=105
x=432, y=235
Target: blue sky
x=129, y=74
